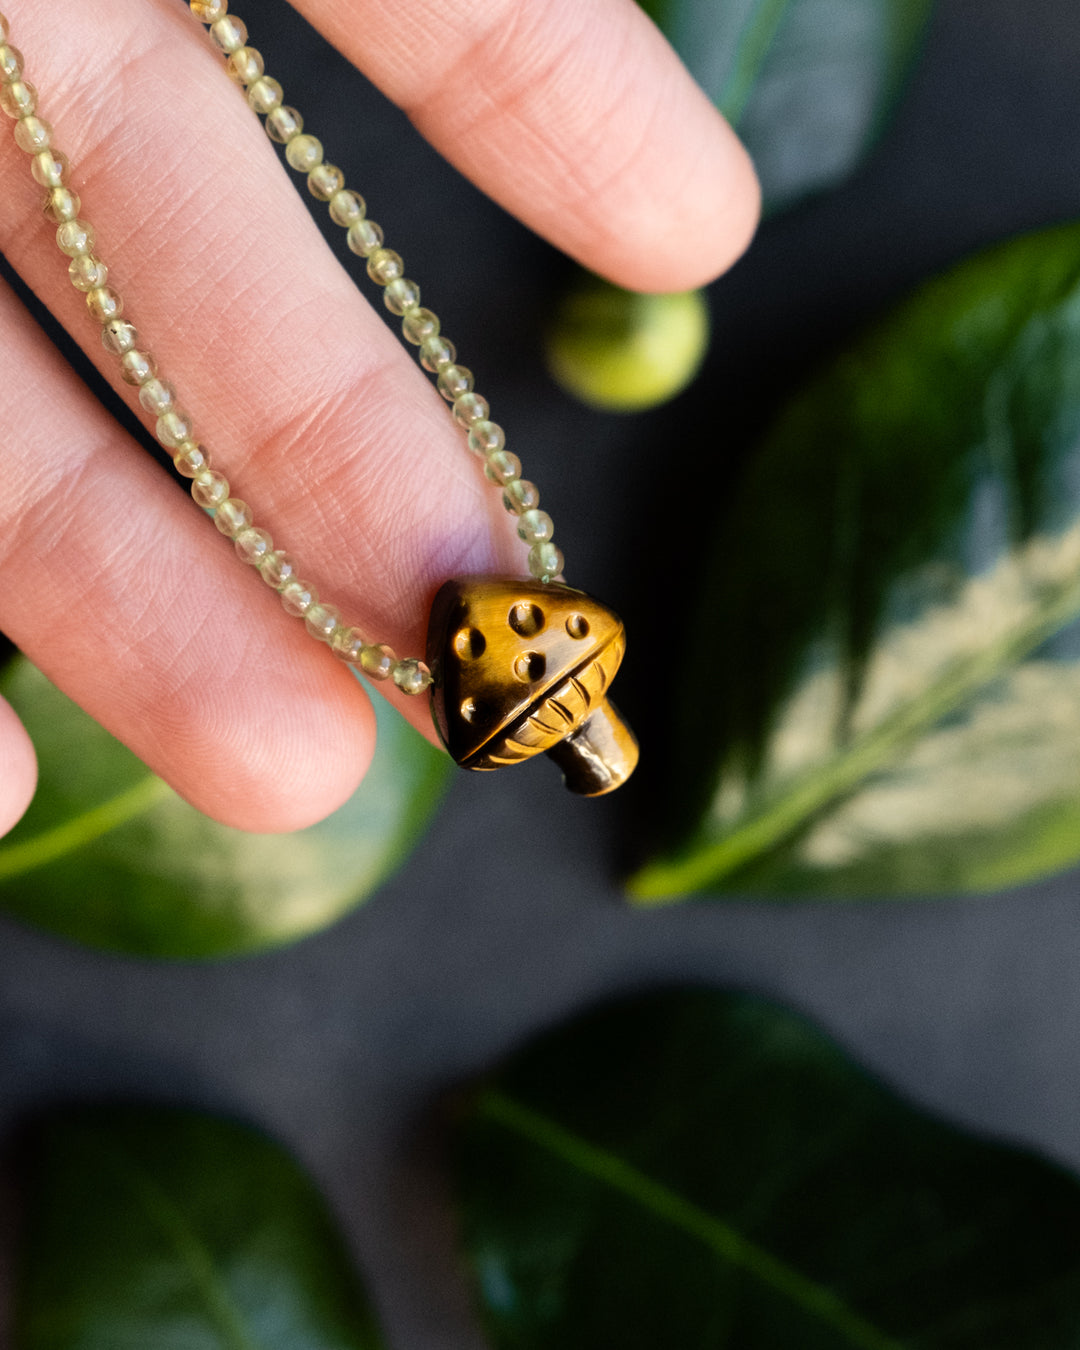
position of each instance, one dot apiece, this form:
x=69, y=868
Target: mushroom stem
x=600, y=755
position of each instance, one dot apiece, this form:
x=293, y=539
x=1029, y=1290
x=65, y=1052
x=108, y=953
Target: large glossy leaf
x=888, y=622
x=165, y=1230
x=808, y=83
x=702, y=1171
x=109, y=856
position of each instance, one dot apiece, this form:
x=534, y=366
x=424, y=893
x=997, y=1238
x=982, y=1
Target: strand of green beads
x=174, y=428
x=421, y=327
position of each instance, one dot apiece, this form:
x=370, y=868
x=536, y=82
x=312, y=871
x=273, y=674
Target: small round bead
x=87, y=273
x=521, y=496
x=419, y=325
x=454, y=381
x=486, y=437
x=33, y=134
x=104, y=304
x=245, y=65
x=320, y=620
x=210, y=488
x=412, y=676
x=229, y=34
x=137, y=367
x=545, y=561
x=502, y=467
x=279, y=568
x=11, y=63
x=401, y=296
x=324, y=181
x=173, y=429
x=232, y=516
x=535, y=527
x=61, y=204
x=304, y=153
x=50, y=168
x=364, y=237
x=75, y=237
x=347, y=644
x=437, y=352
x=18, y=99
x=191, y=459
x=118, y=337
x=378, y=662
x=265, y=95
x=210, y=11
x=157, y=397
x=470, y=409
x=384, y=266
x=283, y=124
x=297, y=597
x=253, y=546
x=347, y=207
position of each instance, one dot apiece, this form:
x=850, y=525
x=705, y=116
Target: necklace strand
x=174, y=428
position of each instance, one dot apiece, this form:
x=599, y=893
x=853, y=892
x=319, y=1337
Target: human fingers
x=579, y=118
x=309, y=404
x=112, y=587
x=18, y=768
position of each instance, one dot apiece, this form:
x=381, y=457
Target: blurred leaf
x=700, y=1170
x=164, y=1230
x=620, y=351
x=888, y=621
x=808, y=84
x=109, y=856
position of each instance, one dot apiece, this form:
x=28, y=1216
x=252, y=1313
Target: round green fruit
x=621, y=351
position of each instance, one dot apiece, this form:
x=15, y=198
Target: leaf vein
x=51, y=845
x=750, y=56
x=187, y=1244
x=722, y=1238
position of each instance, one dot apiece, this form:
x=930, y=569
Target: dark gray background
x=335, y=1046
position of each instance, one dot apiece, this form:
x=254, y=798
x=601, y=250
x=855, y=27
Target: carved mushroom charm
x=522, y=668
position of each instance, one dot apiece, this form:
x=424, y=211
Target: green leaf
x=164, y=1230
x=888, y=620
x=807, y=83
x=700, y=1170
x=109, y=856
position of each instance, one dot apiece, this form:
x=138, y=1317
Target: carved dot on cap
x=530, y=667
x=469, y=643
x=577, y=625
x=526, y=619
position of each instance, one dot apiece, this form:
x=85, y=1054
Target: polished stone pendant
x=522, y=668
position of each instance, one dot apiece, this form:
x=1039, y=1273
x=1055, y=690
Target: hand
x=576, y=116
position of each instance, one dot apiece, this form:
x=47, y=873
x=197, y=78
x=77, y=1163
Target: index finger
x=577, y=117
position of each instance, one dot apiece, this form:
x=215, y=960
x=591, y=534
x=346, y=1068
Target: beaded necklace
x=516, y=667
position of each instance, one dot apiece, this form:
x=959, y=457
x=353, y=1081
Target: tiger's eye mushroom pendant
x=522, y=668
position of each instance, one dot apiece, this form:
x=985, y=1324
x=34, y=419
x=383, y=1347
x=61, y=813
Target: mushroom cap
x=518, y=666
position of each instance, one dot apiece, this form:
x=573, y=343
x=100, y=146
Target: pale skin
x=584, y=124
